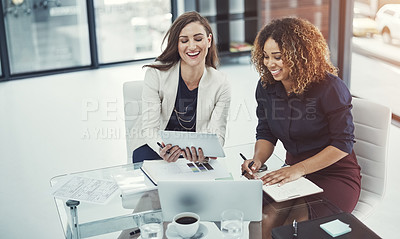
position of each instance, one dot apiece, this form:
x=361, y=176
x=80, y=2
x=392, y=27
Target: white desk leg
x=72, y=204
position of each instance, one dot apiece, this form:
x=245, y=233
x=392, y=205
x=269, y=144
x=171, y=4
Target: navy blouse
x=320, y=117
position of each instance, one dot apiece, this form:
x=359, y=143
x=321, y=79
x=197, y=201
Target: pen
x=159, y=144
x=250, y=164
x=136, y=231
x=295, y=228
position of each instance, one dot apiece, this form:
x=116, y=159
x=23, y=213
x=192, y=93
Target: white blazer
x=158, y=101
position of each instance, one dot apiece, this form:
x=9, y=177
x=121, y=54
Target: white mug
x=186, y=223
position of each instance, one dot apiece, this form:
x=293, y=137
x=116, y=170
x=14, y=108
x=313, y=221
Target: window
x=235, y=23
x=46, y=35
x=316, y=11
x=130, y=29
x=42, y=37
x=376, y=46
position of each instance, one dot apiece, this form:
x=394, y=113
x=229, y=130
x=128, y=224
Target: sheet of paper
x=86, y=190
x=133, y=182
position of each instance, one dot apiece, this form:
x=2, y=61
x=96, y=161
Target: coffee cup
x=186, y=223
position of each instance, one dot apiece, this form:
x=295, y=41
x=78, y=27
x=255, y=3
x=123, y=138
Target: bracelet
x=305, y=169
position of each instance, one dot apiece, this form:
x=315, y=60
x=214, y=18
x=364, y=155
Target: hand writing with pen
x=250, y=167
x=280, y=176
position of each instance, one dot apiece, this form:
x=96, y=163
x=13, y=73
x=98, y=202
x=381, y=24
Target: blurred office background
x=63, y=64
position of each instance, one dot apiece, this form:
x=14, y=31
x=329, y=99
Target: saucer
x=172, y=234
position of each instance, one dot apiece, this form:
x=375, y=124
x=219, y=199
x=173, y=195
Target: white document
x=209, y=143
x=85, y=190
x=133, y=182
x=182, y=169
x=291, y=190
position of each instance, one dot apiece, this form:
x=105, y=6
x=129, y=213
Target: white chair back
x=132, y=91
x=372, y=122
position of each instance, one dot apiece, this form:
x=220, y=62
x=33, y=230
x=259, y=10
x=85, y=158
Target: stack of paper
x=336, y=228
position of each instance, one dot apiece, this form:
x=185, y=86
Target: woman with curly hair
x=303, y=103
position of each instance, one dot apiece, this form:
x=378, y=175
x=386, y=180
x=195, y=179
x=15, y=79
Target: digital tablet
x=209, y=143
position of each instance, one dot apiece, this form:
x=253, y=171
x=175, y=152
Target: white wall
x=44, y=133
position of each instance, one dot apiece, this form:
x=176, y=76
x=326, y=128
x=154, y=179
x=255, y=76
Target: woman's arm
x=151, y=108
x=151, y=116
x=266, y=140
x=263, y=149
x=323, y=159
x=219, y=115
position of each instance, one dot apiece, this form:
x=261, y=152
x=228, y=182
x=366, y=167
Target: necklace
x=177, y=113
x=179, y=116
x=186, y=121
x=290, y=91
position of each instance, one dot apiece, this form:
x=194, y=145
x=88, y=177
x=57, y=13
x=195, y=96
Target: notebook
x=295, y=189
x=209, y=143
x=210, y=198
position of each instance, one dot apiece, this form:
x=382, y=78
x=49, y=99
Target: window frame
x=5, y=68
x=340, y=34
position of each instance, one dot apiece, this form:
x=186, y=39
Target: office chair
x=132, y=92
x=371, y=123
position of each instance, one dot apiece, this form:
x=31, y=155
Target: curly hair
x=304, y=50
x=170, y=55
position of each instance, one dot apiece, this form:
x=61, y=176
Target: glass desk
x=112, y=220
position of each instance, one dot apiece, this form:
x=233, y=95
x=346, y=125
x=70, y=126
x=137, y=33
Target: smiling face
x=193, y=44
x=273, y=61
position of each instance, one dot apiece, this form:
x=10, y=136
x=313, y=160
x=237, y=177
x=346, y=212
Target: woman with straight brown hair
x=183, y=91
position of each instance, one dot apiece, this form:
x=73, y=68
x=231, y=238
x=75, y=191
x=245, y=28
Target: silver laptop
x=210, y=198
